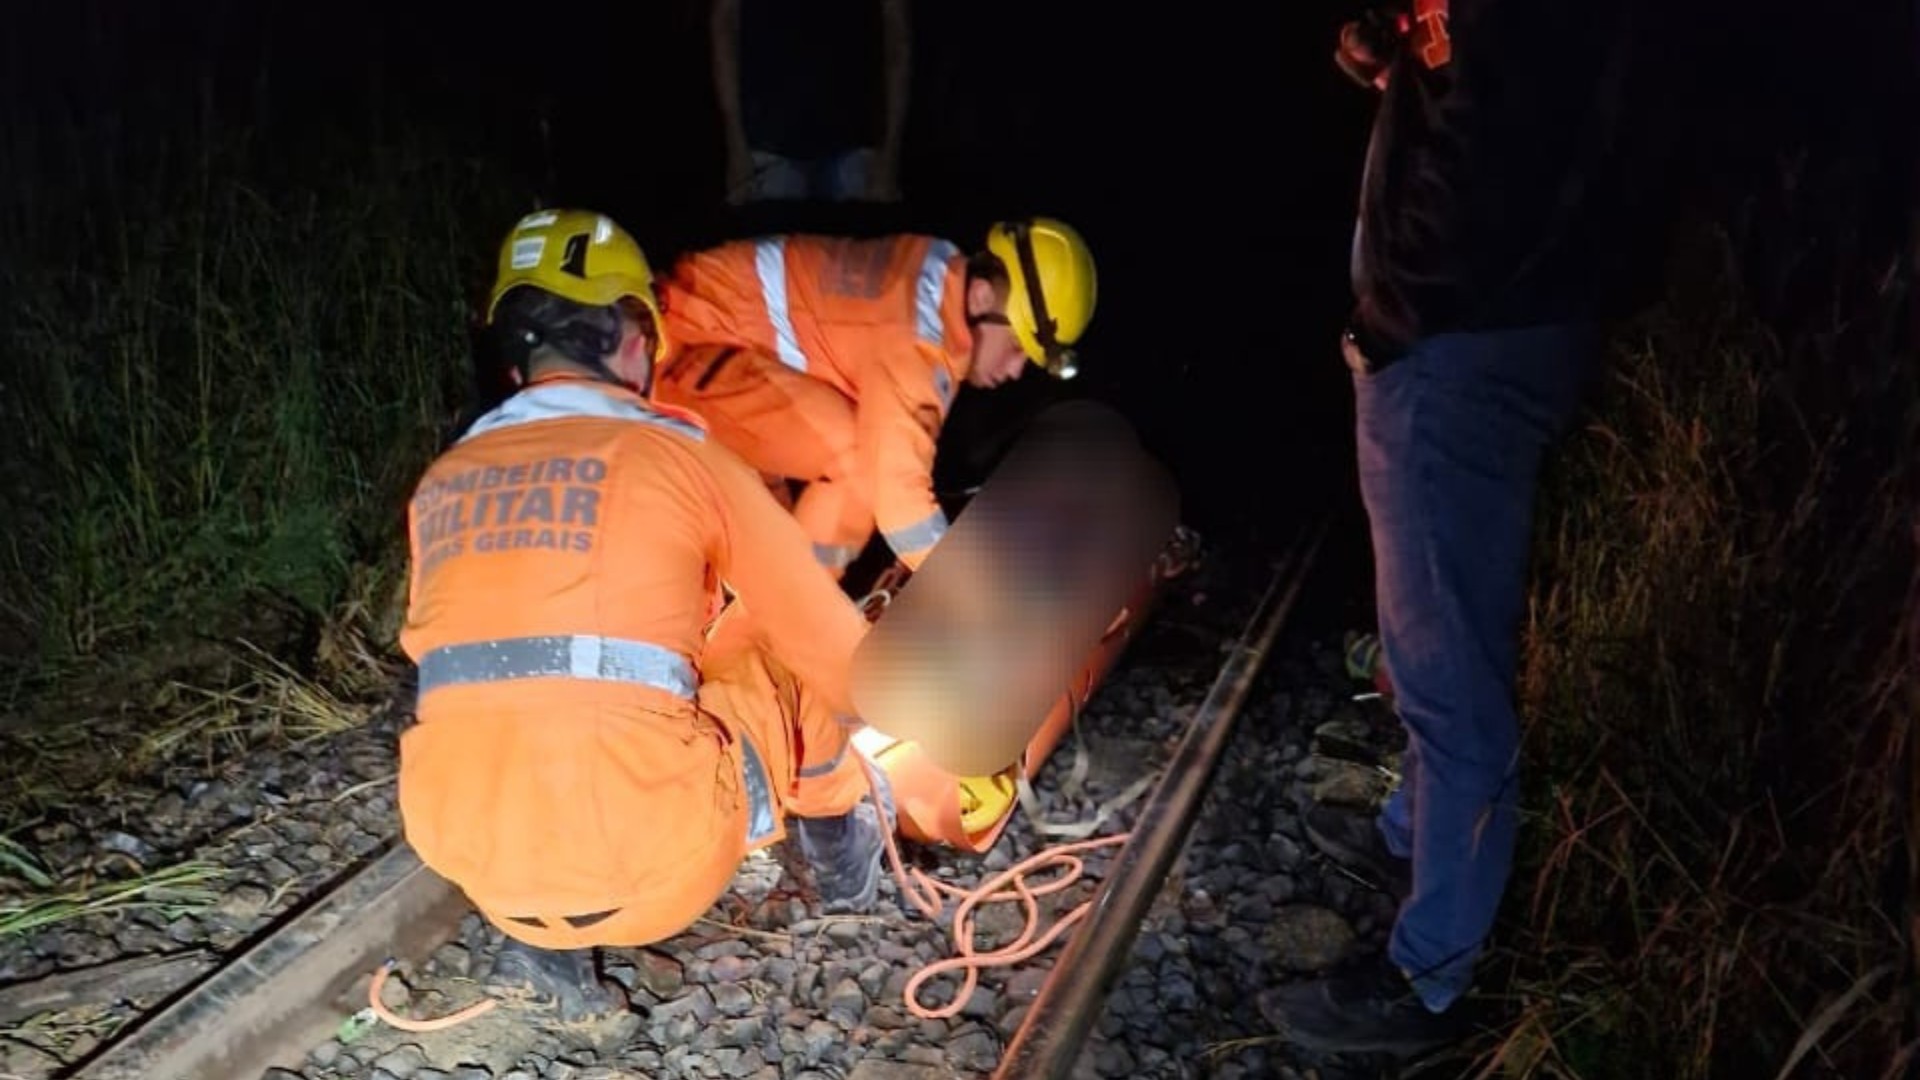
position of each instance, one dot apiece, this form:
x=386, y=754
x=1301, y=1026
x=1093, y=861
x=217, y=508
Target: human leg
x=1451, y=440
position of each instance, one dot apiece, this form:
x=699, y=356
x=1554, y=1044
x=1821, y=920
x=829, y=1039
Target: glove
x=1369, y=44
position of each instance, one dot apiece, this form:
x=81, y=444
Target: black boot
x=561, y=982
x=1362, y=1006
x=845, y=853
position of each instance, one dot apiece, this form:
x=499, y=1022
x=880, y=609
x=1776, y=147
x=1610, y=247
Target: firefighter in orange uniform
x=847, y=355
x=595, y=751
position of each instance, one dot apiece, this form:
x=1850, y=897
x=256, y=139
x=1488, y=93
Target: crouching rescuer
x=603, y=731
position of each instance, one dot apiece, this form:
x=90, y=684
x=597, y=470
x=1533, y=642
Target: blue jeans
x=1451, y=439
x=841, y=177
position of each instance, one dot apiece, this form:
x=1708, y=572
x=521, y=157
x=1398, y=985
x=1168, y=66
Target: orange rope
x=408, y=1024
x=924, y=893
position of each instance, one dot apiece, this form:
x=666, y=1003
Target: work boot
x=845, y=852
x=1353, y=840
x=552, y=980
x=1362, y=1006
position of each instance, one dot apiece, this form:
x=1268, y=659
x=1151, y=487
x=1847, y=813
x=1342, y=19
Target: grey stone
x=733, y=999
x=730, y=969
x=402, y=1061
x=975, y=1051
x=741, y=1032
x=1307, y=938
x=453, y=959
x=845, y=999
x=818, y=1038
x=661, y=975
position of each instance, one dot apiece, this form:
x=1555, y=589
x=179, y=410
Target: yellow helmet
x=1052, y=291
x=580, y=255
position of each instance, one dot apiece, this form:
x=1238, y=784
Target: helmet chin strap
x=1058, y=357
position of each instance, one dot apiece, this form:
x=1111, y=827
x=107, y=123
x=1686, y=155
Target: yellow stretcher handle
x=984, y=800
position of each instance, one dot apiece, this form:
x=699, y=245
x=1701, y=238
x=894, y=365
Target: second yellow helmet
x=580, y=255
x=1052, y=289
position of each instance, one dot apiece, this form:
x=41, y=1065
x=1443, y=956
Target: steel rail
x=273, y=1002
x=1048, y=1042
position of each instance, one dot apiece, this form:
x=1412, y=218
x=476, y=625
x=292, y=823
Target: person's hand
x=1355, y=357
x=1367, y=48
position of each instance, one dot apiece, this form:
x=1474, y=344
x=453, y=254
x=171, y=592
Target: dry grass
x=1719, y=684
x=65, y=1033
x=173, y=891
x=272, y=703
x=262, y=701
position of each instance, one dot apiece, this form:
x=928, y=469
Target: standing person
x=1490, y=235
x=812, y=97
x=595, y=752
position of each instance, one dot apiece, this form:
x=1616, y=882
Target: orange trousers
x=785, y=424
x=778, y=731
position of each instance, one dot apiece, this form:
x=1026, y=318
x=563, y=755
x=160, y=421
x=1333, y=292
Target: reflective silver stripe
x=932, y=282
x=760, y=815
x=579, y=656
x=555, y=401
x=943, y=385
x=835, y=558
x=808, y=772
x=770, y=263
x=920, y=535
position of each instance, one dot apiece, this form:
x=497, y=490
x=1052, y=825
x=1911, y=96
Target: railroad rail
x=1047, y=1045
x=273, y=1001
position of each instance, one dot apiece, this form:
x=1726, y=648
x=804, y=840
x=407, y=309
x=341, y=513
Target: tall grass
x=1718, y=678
x=229, y=359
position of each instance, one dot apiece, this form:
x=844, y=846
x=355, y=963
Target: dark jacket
x=1512, y=185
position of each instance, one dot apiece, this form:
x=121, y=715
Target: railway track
x=304, y=982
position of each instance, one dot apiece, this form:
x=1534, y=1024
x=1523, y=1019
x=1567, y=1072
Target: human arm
x=903, y=404
x=806, y=621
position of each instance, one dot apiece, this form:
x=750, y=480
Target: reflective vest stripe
x=578, y=656
x=761, y=815
x=585, y=657
x=808, y=772
x=834, y=557
x=556, y=401
x=918, y=536
x=927, y=289
x=770, y=264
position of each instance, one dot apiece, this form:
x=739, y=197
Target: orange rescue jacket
x=883, y=320
x=567, y=553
